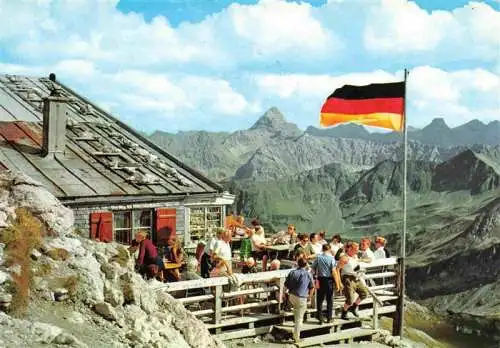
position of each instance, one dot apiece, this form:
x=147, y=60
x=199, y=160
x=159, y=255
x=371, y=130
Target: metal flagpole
x=405, y=180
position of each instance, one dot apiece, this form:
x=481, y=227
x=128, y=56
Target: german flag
x=377, y=105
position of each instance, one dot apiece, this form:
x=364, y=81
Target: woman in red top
x=148, y=262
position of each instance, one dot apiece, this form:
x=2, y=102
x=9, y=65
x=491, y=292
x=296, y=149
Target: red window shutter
x=165, y=225
x=101, y=226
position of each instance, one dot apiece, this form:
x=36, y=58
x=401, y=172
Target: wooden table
x=280, y=247
x=172, y=265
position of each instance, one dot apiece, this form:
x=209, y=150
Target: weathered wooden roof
x=103, y=157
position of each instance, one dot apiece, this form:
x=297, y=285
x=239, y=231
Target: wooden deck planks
x=347, y=334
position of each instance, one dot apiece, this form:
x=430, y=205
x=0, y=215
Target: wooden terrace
x=247, y=305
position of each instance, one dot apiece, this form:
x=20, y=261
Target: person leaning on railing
x=352, y=282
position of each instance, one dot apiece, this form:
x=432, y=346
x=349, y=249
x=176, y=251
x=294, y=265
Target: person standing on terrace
x=299, y=283
x=323, y=267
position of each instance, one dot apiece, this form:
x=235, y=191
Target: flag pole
x=403, y=237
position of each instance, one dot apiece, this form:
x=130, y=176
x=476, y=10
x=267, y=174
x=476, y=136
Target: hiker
x=148, y=263
x=323, y=267
x=206, y=262
x=259, y=252
x=336, y=245
x=299, y=283
x=366, y=252
x=222, y=249
x=173, y=254
x=303, y=246
x=353, y=284
x=380, y=251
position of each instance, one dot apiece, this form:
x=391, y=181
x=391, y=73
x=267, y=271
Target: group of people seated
x=215, y=257
x=152, y=264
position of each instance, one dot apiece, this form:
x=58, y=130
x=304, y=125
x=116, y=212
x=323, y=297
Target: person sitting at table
x=240, y=228
x=259, y=246
x=148, y=262
x=322, y=239
x=256, y=225
x=173, y=254
x=249, y=267
x=221, y=268
x=222, y=249
x=303, y=246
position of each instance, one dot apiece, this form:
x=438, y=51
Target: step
x=243, y=320
x=313, y=324
x=368, y=313
x=340, y=301
x=235, y=334
x=348, y=334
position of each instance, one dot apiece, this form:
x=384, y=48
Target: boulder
x=106, y=311
x=19, y=190
x=72, y=245
x=90, y=289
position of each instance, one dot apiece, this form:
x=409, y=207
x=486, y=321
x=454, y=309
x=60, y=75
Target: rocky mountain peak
x=274, y=121
x=272, y=118
x=474, y=124
x=437, y=123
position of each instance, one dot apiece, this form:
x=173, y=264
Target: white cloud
x=458, y=96
x=275, y=26
x=286, y=86
x=400, y=26
x=249, y=57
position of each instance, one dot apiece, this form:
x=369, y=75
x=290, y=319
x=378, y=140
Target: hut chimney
x=54, y=122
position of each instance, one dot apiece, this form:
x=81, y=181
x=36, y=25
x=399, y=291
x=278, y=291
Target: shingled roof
x=103, y=158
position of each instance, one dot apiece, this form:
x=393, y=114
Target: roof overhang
x=215, y=198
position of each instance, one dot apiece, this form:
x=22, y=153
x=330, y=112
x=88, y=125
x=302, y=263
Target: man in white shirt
x=366, y=252
x=316, y=244
x=206, y=259
x=259, y=251
x=222, y=251
x=379, y=248
x=352, y=282
x=336, y=244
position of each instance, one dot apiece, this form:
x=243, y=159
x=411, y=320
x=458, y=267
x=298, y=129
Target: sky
x=218, y=65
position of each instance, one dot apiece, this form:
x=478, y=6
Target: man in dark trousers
x=299, y=283
x=323, y=267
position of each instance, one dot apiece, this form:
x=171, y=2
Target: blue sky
x=218, y=65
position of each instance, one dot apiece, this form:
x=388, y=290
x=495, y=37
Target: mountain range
x=435, y=133
x=345, y=179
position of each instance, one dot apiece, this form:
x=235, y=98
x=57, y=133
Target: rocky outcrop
x=468, y=171
x=85, y=293
x=19, y=190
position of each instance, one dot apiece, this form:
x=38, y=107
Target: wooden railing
x=381, y=278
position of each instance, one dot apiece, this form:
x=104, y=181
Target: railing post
x=217, y=306
x=281, y=294
x=397, y=323
x=375, y=315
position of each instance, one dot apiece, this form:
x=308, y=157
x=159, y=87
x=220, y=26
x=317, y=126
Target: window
x=127, y=223
x=202, y=220
x=122, y=227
